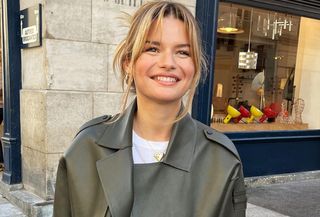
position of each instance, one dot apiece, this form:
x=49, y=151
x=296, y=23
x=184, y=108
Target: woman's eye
x=183, y=53
x=152, y=49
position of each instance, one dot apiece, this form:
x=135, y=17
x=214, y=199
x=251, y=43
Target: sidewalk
x=257, y=211
x=9, y=210
x=295, y=199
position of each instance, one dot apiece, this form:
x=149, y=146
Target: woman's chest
x=164, y=191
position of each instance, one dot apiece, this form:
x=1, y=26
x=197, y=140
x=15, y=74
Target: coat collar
x=181, y=145
x=118, y=135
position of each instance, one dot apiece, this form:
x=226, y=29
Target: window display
x=261, y=73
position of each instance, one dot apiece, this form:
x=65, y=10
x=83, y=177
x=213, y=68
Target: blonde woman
x=153, y=159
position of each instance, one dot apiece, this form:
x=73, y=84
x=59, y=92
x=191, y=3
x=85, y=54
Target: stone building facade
x=68, y=80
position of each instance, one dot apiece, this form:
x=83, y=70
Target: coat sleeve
x=234, y=203
x=61, y=205
x=239, y=197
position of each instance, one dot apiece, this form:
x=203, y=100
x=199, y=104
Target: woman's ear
x=127, y=71
x=127, y=66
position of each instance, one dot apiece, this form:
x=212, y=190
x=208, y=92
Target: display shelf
x=240, y=127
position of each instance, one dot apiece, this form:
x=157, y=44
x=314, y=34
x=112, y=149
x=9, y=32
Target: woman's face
x=165, y=70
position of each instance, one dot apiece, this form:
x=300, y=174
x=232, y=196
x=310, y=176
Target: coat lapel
x=115, y=173
x=115, y=170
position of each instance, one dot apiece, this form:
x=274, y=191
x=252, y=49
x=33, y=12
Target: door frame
x=11, y=66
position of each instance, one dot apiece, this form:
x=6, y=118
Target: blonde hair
x=129, y=50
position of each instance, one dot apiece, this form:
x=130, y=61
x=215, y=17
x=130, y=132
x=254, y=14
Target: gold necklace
x=158, y=156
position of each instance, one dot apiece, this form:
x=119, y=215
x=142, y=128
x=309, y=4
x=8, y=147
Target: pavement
x=291, y=198
x=9, y=210
x=295, y=199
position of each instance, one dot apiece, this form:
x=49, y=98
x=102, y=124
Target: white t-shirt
x=144, y=151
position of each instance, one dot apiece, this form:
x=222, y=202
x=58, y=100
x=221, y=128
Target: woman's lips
x=168, y=79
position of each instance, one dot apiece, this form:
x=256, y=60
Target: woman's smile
x=166, y=80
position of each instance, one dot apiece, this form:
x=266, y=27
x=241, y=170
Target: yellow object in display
x=232, y=113
x=255, y=113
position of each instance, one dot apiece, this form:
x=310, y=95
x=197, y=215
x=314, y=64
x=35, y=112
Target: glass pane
x=267, y=73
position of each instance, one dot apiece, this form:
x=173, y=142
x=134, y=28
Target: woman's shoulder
x=94, y=122
x=87, y=135
x=215, y=137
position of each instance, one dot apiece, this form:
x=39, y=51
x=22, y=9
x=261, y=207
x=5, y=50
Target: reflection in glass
x=258, y=72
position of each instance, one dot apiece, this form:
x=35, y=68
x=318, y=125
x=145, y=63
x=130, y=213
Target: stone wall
x=68, y=80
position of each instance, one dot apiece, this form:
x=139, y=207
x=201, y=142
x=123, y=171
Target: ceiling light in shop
x=275, y=24
x=230, y=23
x=248, y=60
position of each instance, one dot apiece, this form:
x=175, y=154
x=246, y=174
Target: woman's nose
x=167, y=61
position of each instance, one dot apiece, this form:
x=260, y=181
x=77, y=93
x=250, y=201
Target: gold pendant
x=158, y=156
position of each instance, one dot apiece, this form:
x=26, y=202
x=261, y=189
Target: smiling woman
x=153, y=159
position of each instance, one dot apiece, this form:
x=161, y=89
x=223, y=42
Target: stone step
x=8, y=210
x=30, y=204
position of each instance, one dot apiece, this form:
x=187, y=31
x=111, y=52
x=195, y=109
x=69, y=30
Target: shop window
x=267, y=71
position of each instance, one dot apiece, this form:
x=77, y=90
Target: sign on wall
x=30, y=27
x=131, y=3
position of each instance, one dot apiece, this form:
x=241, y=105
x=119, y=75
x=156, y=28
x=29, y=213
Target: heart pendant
x=158, y=156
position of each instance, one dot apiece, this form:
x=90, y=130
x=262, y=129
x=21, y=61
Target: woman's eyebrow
x=153, y=42
x=158, y=44
x=183, y=45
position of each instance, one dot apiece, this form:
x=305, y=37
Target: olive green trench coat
x=202, y=173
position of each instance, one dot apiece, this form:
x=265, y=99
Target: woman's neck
x=154, y=121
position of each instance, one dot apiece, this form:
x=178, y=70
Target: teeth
x=166, y=79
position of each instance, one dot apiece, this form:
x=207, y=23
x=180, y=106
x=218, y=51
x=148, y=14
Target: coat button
x=209, y=132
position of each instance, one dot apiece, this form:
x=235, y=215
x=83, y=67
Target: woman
x=153, y=159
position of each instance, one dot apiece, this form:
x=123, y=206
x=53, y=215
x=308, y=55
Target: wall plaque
x=30, y=27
